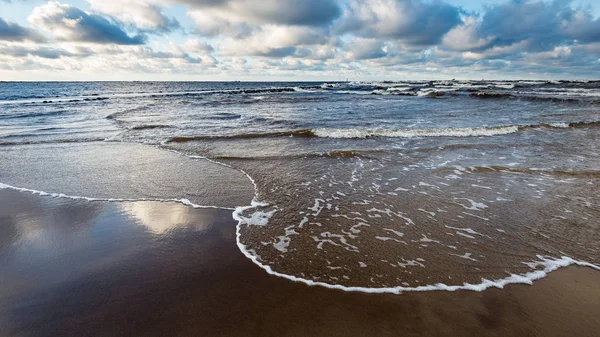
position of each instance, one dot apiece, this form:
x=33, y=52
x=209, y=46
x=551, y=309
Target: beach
x=78, y=268
x=300, y=168
x=418, y=208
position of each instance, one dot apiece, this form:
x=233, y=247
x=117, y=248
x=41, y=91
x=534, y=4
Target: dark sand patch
x=78, y=268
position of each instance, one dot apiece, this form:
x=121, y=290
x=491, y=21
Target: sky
x=298, y=40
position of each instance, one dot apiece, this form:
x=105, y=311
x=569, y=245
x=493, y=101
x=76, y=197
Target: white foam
x=547, y=264
x=466, y=256
x=186, y=202
x=445, y=132
x=475, y=206
x=385, y=238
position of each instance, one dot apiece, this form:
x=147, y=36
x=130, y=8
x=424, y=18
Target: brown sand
x=76, y=268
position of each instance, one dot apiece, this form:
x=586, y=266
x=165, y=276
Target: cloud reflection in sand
x=161, y=218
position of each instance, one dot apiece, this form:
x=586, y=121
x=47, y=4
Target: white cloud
x=144, y=14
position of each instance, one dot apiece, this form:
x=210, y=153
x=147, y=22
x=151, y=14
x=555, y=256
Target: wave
x=445, y=132
x=518, y=170
x=540, y=267
x=562, y=125
x=225, y=115
x=238, y=91
x=491, y=95
x=94, y=97
x=392, y=133
x=116, y=115
x=298, y=133
x=530, y=98
x=150, y=127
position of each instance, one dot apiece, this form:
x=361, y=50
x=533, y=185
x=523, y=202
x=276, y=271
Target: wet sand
x=79, y=268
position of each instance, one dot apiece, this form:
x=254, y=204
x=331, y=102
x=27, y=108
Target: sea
x=361, y=186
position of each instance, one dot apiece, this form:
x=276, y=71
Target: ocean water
x=376, y=187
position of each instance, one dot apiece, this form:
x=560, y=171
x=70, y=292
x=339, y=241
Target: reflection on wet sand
x=77, y=268
x=161, y=218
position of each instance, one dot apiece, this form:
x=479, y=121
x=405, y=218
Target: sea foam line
x=549, y=264
x=183, y=201
x=447, y=132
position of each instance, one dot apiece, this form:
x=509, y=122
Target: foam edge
x=549, y=265
x=183, y=201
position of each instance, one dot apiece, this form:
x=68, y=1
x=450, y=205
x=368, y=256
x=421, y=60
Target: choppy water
x=366, y=186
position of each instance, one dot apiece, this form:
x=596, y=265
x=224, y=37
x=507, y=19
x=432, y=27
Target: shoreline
x=150, y=268
x=550, y=264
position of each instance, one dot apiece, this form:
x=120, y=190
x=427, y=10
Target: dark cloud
x=291, y=12
x=581, y=26
x=284, y=12
x=544, y=25
x=14, y=32
x=72, y=24
x=412, y=21
x=274, y=52
x=516, y=21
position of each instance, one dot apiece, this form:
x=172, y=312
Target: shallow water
x=385, y=186
x=75, y=268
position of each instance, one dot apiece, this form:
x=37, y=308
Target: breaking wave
x=392, y=133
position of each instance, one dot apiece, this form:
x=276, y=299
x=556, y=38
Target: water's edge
x=548, y=264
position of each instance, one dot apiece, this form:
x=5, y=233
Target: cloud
x=466, y=37
x=284, y=12
x=20, y=51
x=276, y=41
x=140, y=13
x=412, y=21
x=516, y=21
x=14, y=32
x=197, y=46
x=291, y=37
x=581, y=26
x=543, y=25
x=364, y=49
x=69, y=23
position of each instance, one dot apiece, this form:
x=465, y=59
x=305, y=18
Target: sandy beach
x=80, y=268
x=299, y=168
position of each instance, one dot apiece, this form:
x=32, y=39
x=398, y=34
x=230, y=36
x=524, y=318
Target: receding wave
x=54, y=141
